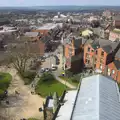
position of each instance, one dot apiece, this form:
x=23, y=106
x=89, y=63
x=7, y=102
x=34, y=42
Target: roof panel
x=97, y=100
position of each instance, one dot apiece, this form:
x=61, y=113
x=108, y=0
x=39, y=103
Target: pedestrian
x=7, y=102
x=32, y=85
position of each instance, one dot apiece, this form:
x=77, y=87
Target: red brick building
x=73, y=53
x=100, y=56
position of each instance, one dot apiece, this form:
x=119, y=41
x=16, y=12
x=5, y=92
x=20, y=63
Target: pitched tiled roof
x=117, y=17
x=107, y=48
x=117, y=64
x=102, y=43
x=118, y=54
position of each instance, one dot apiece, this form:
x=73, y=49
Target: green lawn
x=32, y=119
x=45, y=87
x=69, y=80
x=5, y=79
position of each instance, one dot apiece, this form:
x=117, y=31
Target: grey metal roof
x=97, y=99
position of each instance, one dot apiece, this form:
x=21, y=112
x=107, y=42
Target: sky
x=57, y=2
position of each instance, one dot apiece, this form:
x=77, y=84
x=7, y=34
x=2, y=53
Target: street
x=51, y=60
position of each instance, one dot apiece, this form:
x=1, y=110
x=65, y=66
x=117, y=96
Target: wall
x=69, y=52
x=77, y=66
x=42, y=48
x=87, y=52
x=97, y=59
x=115, y=76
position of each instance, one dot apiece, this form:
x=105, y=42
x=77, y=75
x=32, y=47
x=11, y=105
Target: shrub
x=28, y=77
x=46, y=77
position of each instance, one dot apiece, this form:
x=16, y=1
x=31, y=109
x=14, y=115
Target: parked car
x=47, y=69
x=54, y=68
x=42, y=70
x=42, y=59
x=57, y=61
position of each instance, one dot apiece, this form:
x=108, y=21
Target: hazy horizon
x=30, y=3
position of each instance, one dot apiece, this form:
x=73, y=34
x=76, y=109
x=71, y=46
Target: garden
x=5, y=79
x=48, y=84
x=71, y=78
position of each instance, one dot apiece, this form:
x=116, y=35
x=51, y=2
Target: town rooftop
x=48, y=26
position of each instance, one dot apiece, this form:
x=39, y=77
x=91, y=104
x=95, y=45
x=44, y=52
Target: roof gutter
x=118, y=93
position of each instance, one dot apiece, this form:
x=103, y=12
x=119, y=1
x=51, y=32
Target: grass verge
x=45, y=87
x=5, y=79
x=72, y=82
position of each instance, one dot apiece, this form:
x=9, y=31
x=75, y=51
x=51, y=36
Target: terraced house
x=103, y=56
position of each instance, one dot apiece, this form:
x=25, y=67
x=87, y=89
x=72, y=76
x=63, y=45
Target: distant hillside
x=62, y=8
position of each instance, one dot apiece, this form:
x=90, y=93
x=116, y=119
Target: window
x=94, y=65
x=101, y=67
x=96, y=52
x=88, y=61
x=87, y=55
x=95, y=59
x=88, y=49
x=92, y=50
x=108, y=71
x=113, y=71
x=101, y=60
x=102, y=53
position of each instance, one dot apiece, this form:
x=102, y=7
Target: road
x=48, y=64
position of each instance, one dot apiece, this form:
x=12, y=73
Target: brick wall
x=113, y=72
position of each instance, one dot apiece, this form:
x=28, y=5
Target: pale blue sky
x=57, y=2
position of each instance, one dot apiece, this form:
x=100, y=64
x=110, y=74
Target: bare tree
x=19, y=61
x=23, y=54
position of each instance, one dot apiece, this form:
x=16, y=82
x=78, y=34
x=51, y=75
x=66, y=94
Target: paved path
x=56, y=73
x=27, y=105
x=65, y=83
